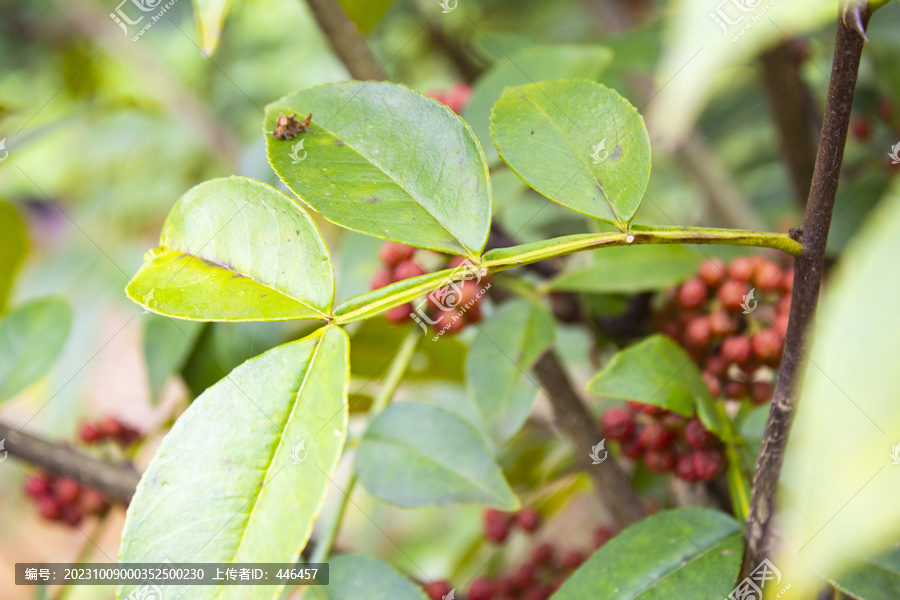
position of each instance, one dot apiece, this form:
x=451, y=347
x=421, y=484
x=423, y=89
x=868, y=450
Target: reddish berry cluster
x=61, y=499
x=730, y=332
x=537, y=578
x=399, y=264
x=456, y=98
x=109, y=428
x=664, y=441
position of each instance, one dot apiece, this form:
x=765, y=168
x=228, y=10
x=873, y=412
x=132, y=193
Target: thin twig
x=610, y=482
x=116, y=480
x=346, y=40
x=791, y=106
x=807, y=281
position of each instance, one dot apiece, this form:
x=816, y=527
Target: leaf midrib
x=412, y=450
x=278, y=445
x=390, y=176
x=253, y=279
x=580, y=157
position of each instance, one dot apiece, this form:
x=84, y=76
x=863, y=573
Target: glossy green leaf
x=210, y=16
x=578, y=143
x=420, y=455
x=497, y=365
x=354, y=577
x=236, y=249
x=841, y=472
x=529, y=65
x=243, y=473
x=365, y=13
x=628, y=270
x=13, y=249
x=31, y=338
x=684, y=554
x=873, y=579
x=384, y=160
x=167, y=345
x=658, y=371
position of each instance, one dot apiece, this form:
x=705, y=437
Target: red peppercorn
x=436, y=590
x=617, y=423
x=716, y=365
x=735, y=389
x=392, y=253
x=49, y=508
x=697, y=436
x=732, y=294
x=659, y=461
x=712, y=272
x=66, y=491
x=602, y=534
x=528, y=519
x=398, y=314
x=736, y=349
x=111, y=428
x=655, y=436
x=708, y=464
x=632, y=448
x=380, y=279
x=722, y=324
x=768, y=346
x=787, y=281
x=38, y=486
x=692, y=294
x=861, y=128
x=542, y=554
x=496, y=525
x=571, y=560
x=767, y=277
x=482, y=589
x=523, y=578
x=712, y=384
x=742, y=269
x=697, y=333
x=89, y=433
x=92, y=502
x=684, y=468
x=407, y=270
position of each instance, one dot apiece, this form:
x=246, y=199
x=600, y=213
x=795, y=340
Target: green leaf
x=628, y=270
x=374, y=344
x=872, y=579
x=31, y=338
x=236, y=249
x=683, y=554
x=210, y=15
x=365, y=13
x=840, y=475
x=13, y=249
x=354, y=577
x=167, y=345
x=225, y=485
x=578, y=143
x=420, y=455
x=389, y=162
x=658, y=371
x=529, y=65
x=507, y=345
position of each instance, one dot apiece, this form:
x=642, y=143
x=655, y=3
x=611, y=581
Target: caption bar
x=169, y=573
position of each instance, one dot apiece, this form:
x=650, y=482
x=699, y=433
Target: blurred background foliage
x=104, y=134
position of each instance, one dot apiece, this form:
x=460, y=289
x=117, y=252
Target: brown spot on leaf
x=287, y=127
x=616, y=153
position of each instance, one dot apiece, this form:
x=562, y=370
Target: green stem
x=377, y=301
x=738, y=483
x=389, y=386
